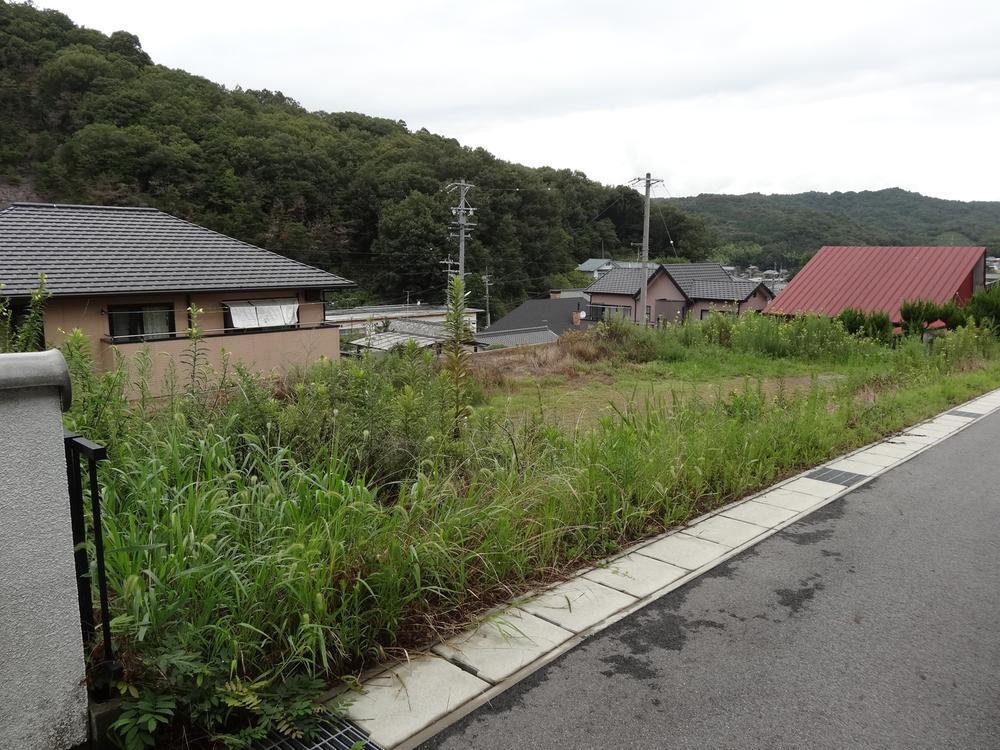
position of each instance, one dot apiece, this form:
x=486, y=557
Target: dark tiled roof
x=517, y=336
x=686, y=274
x=554, y=314
x=734, y=290
x=622, y=280
x=97, y=250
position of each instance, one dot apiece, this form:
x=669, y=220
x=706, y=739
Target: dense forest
x=89, y=118
x=785, y=230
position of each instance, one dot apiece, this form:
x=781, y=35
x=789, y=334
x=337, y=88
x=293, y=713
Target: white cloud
x=713, y=96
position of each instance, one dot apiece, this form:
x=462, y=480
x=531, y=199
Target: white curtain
x=243, y=314
x=156, y=323
x=264, y=313
x=289, y=311
x=272, y=313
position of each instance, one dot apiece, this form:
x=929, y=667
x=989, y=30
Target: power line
x=659, y=210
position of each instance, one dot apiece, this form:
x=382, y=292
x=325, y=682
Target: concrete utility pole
x=645, y=256
x=449, y=272
x=462, y=211
x=645, y=252
x=486, y=282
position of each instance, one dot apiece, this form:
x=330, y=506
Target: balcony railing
x=142, y=338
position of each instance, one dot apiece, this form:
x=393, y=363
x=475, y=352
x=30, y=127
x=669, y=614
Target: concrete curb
x=402, y=705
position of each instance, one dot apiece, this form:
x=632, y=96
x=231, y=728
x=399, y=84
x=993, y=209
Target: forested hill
x=789, y=228
x=89, y=118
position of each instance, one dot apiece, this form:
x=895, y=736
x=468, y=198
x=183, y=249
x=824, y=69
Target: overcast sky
x=710, y=96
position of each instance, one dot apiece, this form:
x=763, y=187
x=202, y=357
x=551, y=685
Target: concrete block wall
x=43, y=694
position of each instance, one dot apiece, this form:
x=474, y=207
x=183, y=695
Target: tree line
x=785, y=230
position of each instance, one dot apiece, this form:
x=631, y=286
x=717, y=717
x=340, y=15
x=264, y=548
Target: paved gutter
x=406, y=704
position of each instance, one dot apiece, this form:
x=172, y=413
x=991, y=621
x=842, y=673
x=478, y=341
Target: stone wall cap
x=36, y=370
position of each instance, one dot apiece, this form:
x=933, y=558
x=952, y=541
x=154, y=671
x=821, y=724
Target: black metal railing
x=103, y=667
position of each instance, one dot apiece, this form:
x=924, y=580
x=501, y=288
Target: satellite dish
x=583, y=314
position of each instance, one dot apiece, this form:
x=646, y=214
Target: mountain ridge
x=786, y=228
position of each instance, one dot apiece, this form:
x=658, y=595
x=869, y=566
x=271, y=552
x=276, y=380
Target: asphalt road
x=873, y=623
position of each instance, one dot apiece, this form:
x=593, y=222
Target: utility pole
x=645, y=256
x=486, y=282
x=449, y=274
x=462, y=211
x=645, y=253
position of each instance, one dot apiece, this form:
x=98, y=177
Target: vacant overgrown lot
x=582, y=378
x=265, y=539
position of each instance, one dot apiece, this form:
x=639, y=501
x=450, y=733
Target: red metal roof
x=876, y=278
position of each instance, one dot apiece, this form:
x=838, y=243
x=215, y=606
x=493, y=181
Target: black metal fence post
x=106, y=669
x=79, y=525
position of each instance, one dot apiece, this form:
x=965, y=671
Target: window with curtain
x=150, y=322
x=260, y=314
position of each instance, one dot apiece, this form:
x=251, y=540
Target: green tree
x=412, y=240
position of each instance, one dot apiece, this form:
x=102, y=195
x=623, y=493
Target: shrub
x=852, y=319
x=952, y=315
x=580, y=346
x=27, y=334
x=984, y=307
x=916, y=314
x=963, y=348
x=878, y=327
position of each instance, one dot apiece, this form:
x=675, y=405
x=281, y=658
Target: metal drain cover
x=844, y=478
x=334, y=734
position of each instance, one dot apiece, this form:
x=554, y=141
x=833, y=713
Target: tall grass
x=265, y=542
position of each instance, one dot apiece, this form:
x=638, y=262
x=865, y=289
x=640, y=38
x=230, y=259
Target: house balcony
x=271, y=351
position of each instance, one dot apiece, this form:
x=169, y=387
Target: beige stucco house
x=126, y=277
x=673, y=292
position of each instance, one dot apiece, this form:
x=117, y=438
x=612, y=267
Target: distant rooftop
x=85, y=250
x=687, y=275
x=869, y=278
x=734, y=290
x=364, y=313
x=517, y=336
x=592, y=264
x=622, y=280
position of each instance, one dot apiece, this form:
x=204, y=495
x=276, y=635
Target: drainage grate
x=966, y=414
x=845, y=478
x=335, y=734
